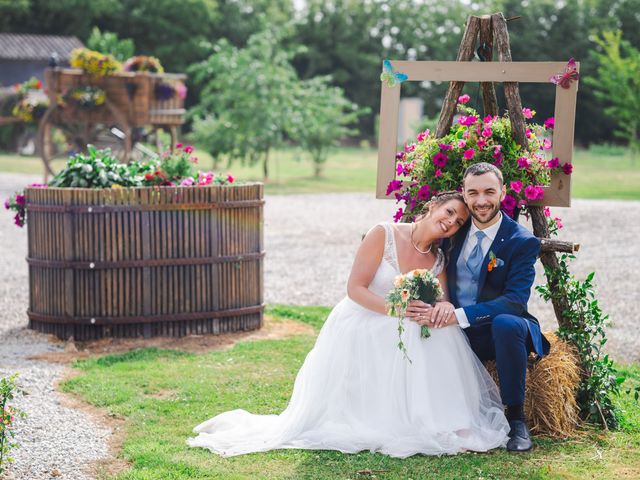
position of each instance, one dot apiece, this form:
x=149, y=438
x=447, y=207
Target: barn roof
x=22, y=46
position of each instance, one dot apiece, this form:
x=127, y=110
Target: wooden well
x=143, y=262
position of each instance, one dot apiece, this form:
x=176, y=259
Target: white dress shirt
x=469, y=245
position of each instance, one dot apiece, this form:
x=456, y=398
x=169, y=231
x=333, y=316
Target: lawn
x=162, y=394
x=599, y=173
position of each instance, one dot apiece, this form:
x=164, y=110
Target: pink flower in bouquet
x=205, y=178
x=393, y=186
x=469, y=153
x=528, y=113
x=516, y=186
x=422, y=135
x=398, y=215
x=464, y=98
x=440, y=159
x=438, y=173
x=550, y=123
x=553, y=163
x=18, y=220
x=567, y=168
x=524, y=162
x=423, y=193
x=546, y=144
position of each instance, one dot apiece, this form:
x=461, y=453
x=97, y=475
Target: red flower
x=567, y=168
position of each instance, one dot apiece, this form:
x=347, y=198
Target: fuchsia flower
x=178, y=145
x=188, y=149
x=487, y=132
x=469, y=153
x=423, y=193
x=553, y=163
x=399, y=169
x=532, y=192
x=528, y=113
x=487, y=119
x=410, y=148
x=528, y=133
x=464, y=98
x=438, y=173
x=546, y=144
x=20, y=199
x=558, y=221
x=509, y=203
x=516, y=186
x=400, y=156
x=393, y=186
x=481, y=143
x=422, y=135
x=467, y=120
x=230, y=178
x=524, y=162
x=550, y=123
x=462, y=144
x=445, y=146
x=187, y=182
x=547, y=212
x=440, y=159
x=7, y=205
x=398, y=215
x=567, y=168
x=466, y=134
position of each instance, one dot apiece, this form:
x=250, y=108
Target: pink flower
x=178, y=145
x=509, y=203
x=399, y=169
x=553, y=163
x=187, y=182
x=398, y=215
x=467, y=121
x=466, y=134
x=462, y=144
x=422, y=135
x=393, y=186
x=18, y=220
x=550, y=123
x=409, y=148
x=487, y=119
x=546, y=144
x=531, y=192
x=423, y=193
x=445, y=146
x=481, y=143
x=528, y=113
x=7, y=204
x=181, y=90
x=464, y=98
x=567, y=168
x=547, y=212
x=516, y=186
x=523, y=162
x=438, y=173
x=558, y=221
x=400, y=156
x=469, y=153
x=20, y=199
x=188, y=149
x=230, y=178
x=528, y=133
x=487, y=132
x=440, y=159
x=205, y=178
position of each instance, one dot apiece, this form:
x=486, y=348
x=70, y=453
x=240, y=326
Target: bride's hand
x=419, y=312
x=441, y=313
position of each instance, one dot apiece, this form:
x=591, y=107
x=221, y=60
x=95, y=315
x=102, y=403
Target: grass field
x=162, y=394
x=596, y=175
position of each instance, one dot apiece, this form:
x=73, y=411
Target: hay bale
x=550, y=400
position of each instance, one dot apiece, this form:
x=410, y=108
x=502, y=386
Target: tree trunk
x=265, y=166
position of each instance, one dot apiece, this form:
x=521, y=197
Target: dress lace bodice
x=389, y=267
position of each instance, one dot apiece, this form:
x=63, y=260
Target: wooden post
x=489, y=100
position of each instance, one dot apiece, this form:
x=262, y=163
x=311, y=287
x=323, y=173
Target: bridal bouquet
x=419, y=284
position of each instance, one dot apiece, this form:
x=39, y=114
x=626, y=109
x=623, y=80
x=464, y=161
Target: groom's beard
x=490, y=216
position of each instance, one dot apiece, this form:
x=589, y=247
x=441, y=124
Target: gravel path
x=310, y=241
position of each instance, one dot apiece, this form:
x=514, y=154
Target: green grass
x=599, y=173
x=163, y=394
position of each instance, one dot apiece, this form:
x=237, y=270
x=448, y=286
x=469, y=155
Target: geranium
x=440, y=162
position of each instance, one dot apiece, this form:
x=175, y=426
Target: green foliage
x=314, y=316
x=109, y=43
x=586, y=331
x=617, y=84
x=8, y=415
x=99, y=169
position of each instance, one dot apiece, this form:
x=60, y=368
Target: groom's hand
x=419, y=312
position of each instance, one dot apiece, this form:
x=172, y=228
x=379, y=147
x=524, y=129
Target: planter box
x=143, y=262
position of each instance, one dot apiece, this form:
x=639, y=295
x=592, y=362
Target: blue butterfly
x=389, y=77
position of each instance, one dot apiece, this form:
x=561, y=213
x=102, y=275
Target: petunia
x=445, y=146
x=523, y=162
x=422, y=135
x=399, y=169
x=547, y=212
x=178, y=145
x=423, y=193
x=550, y=123
x=410, y=148
x=393, y=186
x=531, y=192
x=467, y=120
x=481, y=143
x=188, y=149
x=567, y=168
x=187, y=182
x=487, y=132
x=440, y=159
x=464, y=98
x=546, y=144
x=487, y=119
x=462, y=143
x=20, y=199
x=438, y=173
x=469, y=153
x=558, y=221
x=516, y=186
x=509, y=203
x=400, y=156
x=553, y=163
x=398, y=215
x=528, y=113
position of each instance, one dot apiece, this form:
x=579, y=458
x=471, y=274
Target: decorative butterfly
x=565, y=78
x=389, y=77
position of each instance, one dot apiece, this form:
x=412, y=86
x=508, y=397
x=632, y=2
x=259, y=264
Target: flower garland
x=432, y=165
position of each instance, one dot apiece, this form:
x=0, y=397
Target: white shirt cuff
x=462, y=318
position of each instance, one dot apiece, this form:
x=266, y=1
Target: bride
x=356, y=391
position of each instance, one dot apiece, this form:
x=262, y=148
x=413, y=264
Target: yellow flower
x=115, y=185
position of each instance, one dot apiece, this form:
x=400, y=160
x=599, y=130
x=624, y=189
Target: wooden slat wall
x=125, y=301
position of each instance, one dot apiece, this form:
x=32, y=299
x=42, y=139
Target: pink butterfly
x=565, y=78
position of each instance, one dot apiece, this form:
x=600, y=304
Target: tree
x=617, y=83
x=321, y=117
x=109, y=43
x=246, y=97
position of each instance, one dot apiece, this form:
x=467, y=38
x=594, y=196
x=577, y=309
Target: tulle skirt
x=356, y=391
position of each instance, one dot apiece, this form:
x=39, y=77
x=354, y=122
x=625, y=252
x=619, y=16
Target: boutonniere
x=494, y=262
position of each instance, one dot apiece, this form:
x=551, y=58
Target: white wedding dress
x=356, y=391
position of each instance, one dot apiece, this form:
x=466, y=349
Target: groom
x=489, y=276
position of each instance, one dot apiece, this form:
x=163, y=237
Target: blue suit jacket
x=506, y=289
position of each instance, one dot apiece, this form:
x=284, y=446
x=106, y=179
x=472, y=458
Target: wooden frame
x=558, y=193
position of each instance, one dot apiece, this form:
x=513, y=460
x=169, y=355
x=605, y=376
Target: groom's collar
x=491, y=231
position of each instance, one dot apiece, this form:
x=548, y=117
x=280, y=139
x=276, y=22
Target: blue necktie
x=476, y=256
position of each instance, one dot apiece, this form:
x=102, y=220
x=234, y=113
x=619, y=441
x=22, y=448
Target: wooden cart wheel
x=61, y=134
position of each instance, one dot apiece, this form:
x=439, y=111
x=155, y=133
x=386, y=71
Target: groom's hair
x=480, y=169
